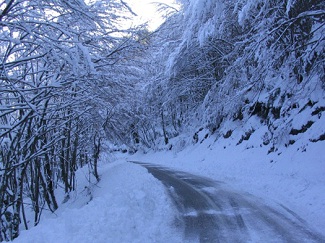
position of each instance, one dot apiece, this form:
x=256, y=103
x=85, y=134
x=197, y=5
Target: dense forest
x=74, y=82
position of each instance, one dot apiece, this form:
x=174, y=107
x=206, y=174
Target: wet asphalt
x=210, y=211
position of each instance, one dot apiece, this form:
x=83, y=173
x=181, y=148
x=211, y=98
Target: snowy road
x=211, y=212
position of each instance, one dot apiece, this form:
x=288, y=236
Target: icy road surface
x=211, y=212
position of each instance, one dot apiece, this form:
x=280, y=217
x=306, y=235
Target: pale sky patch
x=147, y=11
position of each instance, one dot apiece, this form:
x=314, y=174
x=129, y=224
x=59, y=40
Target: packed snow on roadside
x=127, y=205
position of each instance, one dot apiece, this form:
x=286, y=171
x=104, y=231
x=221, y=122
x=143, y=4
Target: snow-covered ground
x=130, y=205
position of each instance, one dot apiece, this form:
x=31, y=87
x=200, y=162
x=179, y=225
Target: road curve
x=211, y=212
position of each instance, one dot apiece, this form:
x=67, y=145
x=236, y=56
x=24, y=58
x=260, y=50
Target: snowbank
x=128, y=205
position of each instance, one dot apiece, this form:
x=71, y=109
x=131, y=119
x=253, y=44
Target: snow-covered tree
x=55, y=84
x=226, y=53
